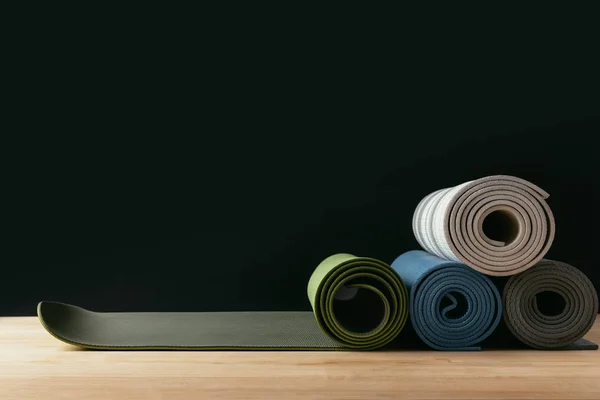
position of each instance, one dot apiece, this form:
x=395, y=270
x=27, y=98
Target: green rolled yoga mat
x=561, y=328
x=358, y=303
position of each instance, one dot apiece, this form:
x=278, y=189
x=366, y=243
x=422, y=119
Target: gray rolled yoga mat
x=561, y=328
x=498, y=225
x=452, y=307
x=358, y=303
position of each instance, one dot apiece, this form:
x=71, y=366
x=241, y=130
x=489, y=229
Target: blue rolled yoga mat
x=452, y=307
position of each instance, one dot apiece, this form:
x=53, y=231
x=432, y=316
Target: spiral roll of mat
x=533, y=327
x=432, y=282
x=358, y=302
x=498, y=225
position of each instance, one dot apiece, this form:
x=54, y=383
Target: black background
x=211, y=168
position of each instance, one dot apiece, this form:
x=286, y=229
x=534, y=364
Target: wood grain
x=34, y=365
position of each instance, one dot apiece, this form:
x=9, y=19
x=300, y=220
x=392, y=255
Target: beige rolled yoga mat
x=357, y=303
x=562, y=327
x=498, y=225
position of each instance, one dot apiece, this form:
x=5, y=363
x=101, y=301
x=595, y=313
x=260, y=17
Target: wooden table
x=34, y=365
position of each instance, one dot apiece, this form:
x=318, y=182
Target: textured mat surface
x=358, y=303
x=452, y=307
x=562, y=327
x=498, y=225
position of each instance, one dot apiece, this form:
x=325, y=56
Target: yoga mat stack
x=499, y=226
x=482, y=267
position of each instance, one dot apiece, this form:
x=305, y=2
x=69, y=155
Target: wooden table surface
x=34, y=365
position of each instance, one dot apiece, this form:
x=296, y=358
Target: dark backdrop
x=215, y=173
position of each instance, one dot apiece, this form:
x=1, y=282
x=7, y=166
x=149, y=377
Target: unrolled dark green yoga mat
x=358, y=303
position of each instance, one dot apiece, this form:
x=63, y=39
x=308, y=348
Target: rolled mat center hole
x=453, y=305
x=550, y=303
x=501, y=226
x=360, y=314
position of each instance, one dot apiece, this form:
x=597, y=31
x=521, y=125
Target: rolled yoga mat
x=358, y=303
x=499, y=225
x=452, y=307
x=529, y=322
